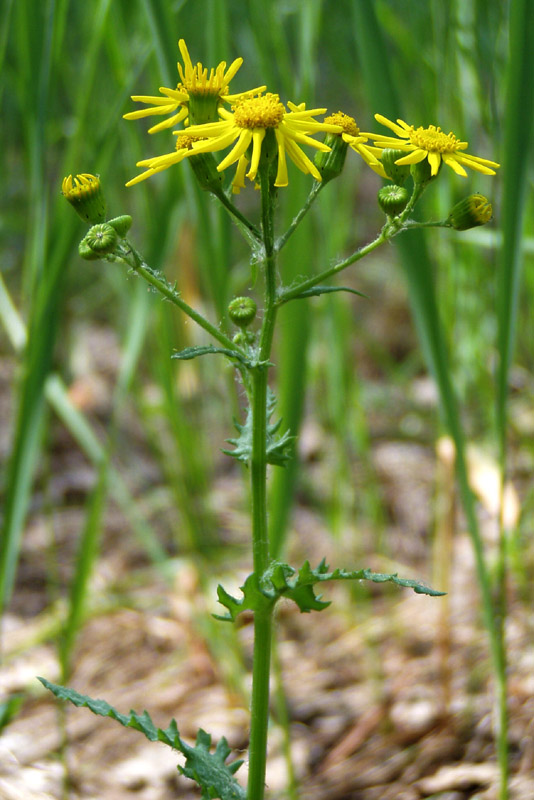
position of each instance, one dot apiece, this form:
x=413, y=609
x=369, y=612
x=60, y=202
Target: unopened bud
x=242, y=311
x=121, y=224
x=393, y=199
x=470, y=212
x=102, y=239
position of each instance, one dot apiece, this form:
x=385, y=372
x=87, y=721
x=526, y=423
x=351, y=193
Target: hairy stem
x=170, y=293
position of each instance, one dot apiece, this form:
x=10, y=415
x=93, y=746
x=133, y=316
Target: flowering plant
x=262, y=132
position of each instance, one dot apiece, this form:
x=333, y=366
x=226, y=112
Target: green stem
x=316, y=188
x=391, y=228
x=259, y=715
x=170, y=293
x=290, y=293
x=242, y=221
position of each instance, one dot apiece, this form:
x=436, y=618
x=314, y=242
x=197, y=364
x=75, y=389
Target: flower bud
x=242, y=311
x=85, y=195
x=396, y=172
x=121, y=224
x=393, y=199
x=86, y=253
x=102, y=239
x=470, y=212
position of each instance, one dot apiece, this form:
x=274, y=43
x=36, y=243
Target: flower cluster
x=258, y=126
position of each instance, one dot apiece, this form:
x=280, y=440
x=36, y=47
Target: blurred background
x=120, y=514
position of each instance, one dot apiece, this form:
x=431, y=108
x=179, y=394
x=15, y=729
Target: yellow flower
x=356, y=140
x=251, y=119
x=433, y=144
x=196, y=85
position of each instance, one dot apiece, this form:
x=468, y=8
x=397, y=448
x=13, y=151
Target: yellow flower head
x=197, y=86
x=433, y=144
x=249, y=122
x=85, y=195
x=356, y=139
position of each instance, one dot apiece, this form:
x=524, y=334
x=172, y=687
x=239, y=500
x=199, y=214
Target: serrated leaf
x=203, y=350
x=282, y=580
x=254, y=598
x=277, y=448
x=209, y=770
x=315, y=291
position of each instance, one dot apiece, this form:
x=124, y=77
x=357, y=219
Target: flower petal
x=452, y=162
x=257, y=135
x=413, y=158
x=237, y=150
x=282, y=178
x=434, y=159
x=400, y=131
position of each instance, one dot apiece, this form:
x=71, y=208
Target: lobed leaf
x=282, y=580
x=277, y=448
x=209, y=770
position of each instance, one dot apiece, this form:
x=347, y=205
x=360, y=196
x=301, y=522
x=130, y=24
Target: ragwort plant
x=263, y=133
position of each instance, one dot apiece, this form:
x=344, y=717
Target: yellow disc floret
x=259, y=112
x=348, y=124
x=434, y=140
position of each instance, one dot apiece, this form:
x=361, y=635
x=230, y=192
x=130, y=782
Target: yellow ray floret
x=246, y=126
x=432, y=144
x=184, y=144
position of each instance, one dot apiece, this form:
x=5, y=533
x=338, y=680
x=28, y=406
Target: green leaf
x=277, y=447
x=209, y=770
x=281, y=580
x=202, y=350
x=315, y=291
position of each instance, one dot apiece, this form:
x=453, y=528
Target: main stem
x=259, y=715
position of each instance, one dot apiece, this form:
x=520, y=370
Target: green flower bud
x=397, y=172
x=470, y=212
x=242, y=311
x=244, y=338
x=393, y=199
x=121, y=224
x=102, y=239
x=85, y=195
